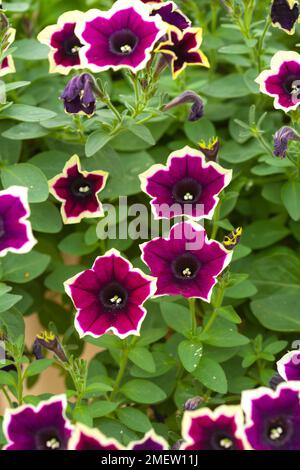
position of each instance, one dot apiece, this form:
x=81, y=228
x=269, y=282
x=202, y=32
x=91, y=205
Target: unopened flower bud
x=211, y=149
x=193, y=403
x=79, y=95
x=197, y=109
x=282, y=138
x=49, y=341
x=275, y=381
x=233, y=238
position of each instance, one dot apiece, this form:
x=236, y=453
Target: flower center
x=47, y=439
x=81, y=188
x=186, y=191
x=71, y=46
x=113, y=296
x=222, y=442
x=123, y=42
x=186, y=267
x=279, y=431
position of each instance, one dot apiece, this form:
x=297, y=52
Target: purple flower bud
x=177, y=445
x=282, y=138
x=193, y=403
x=49, y=341
x=79, y=95
x=211, y=149
x=275, y=381
x=197, y=109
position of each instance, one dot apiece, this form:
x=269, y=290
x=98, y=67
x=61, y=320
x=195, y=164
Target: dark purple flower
x=79, y=95
x=172, y=15
x=183, y=48
x=151, y=441
x=122, y=37
x=285, y=14
x=275, y=381
x=221, y=429
x=281, y=140
x=63, y=42
x=110, y=297
x=186, y=185
x=186, y=263
x=78, y=191
x=273, y=417
x=197, y=109
x=233, y=238
x=211, y=149
x=44, y=427
x=282, y=81
x=15, y=229
x=289, y=366
x=84, y=438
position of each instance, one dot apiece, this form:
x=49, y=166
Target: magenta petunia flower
x=285, y=14
x=171, y=14
x=186, y=263
x=282, y=81
x=7, y=65
x=221, y=429
x=44, y=427
x=84, y=438
x=110, y=297
x=186, y=185
x=78, y=190
x=151, y=441
x=273, y=417
x=63, y=42
x=15, y=229
x=289, y=366
x=122, y=37
x=184, y=49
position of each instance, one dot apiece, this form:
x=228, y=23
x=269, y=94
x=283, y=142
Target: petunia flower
x=79, y=95
x=7, y=64
x=84, y=438
x=281, y=140
x=44, y=427
x=63, y=42
x=210, y=149
x=171, y=15
x=78, y=190
x=289, y=366
x=186, y=185
x=15, y=229
x=221, y=429
x=186, y=263
x=197, y=109
x=151, y=441
x=184, y=49
x=110, y=297
x=285, y=14
x=122, y=37
x=282, y=81
x=273, y=417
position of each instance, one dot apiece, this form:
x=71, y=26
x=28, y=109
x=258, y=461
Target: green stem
x=192, y=306
x=114, y=110
x=215, y=226
x=217, y=304
x=261, y=44
x=123, y=365
x=20, y=383
x=7, y=396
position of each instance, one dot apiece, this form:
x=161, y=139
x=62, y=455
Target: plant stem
x=217, y=304
x=215, y=226
x=261, y=44
x=7, y=396
x=192, y=306
x=20, y=383
x=109, y=104
x=123, y=365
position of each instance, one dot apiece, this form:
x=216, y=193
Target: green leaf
x=24, y=174
x=45, y=217
x=142, y=358
x=190, y=353
x=96, y=141
x=24, y=268
x=290, y=195
x=211, y=375
x=37, y=367
x=6, y=378
x=102, y=408
x=8, y=300
x=23, y=112
x=55, y=280
x=229, y=314
x=263, y=233
x=74, y=244
x=134, y=419
x=82, y=415
x=199, y=130
x=223, y=334
x=143, y=391
x=25, y=131
x=176, y=317
x=229, y=86
x=97, y=389
x=142, y=132
x=30, y=49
